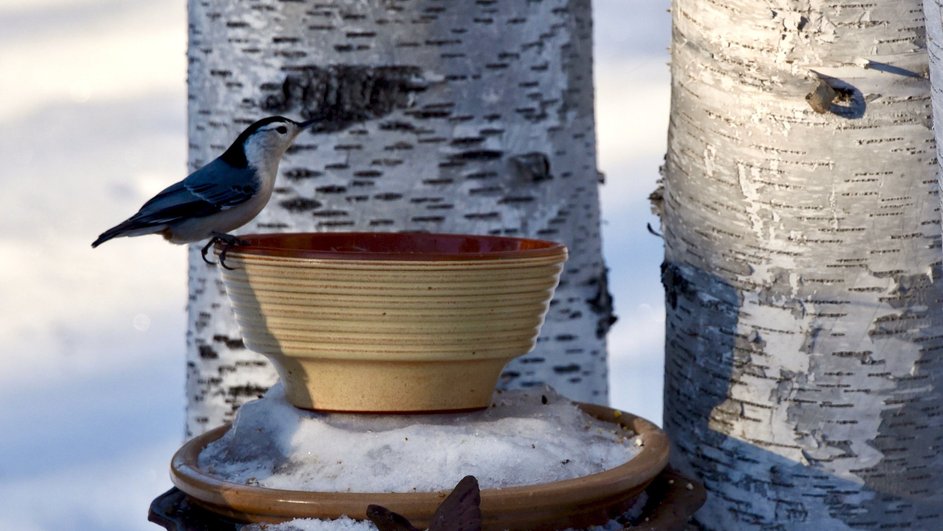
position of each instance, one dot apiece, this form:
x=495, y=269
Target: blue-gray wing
x=222, y=185
x=214, y=187
x=211, y=189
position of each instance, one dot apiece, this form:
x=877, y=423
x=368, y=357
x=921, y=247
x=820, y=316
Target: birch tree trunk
x=470, y=117
x=802, y=265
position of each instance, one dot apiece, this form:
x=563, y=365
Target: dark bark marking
x=483, y=215
x=388, y=196
x=675, y=284
x=441, y=181
x=248, y=390
x=478, y=155
x=487, y=190
x=208, y=353
x=566, y=369
x=466, y=141
x=896, y=324
x=232, y=343
x=297, y=174
x=329, y=213
x=277, y=226
x=300, y=204
x=335, y=224
x=394, y=125
x=342, y=95
x=368, y=173
x=398, y=146
x=516, y=199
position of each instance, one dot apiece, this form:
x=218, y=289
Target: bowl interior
x=396, y=246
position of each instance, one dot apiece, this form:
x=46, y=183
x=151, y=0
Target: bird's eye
x=282, y=129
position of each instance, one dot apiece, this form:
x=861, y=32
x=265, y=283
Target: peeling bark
x=802, y=265
x=472, y=117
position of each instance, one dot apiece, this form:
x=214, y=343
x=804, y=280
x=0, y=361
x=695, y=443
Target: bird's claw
x=229, y=241
x=206, y=249
x=227, y=245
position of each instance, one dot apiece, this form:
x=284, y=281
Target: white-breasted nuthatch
x=222, y=196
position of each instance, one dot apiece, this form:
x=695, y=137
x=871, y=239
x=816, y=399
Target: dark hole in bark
x=533, y=166
x=834, y=96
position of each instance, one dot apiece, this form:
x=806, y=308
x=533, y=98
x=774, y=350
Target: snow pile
x=526, y=437
x=313, y=524
x=348, y=524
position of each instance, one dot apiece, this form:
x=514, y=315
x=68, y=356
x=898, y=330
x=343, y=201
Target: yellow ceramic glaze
x=385, y=335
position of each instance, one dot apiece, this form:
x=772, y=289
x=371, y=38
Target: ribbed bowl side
x=390, y=336
x=397, y=310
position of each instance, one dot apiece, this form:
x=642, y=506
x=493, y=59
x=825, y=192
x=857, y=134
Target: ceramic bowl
x=579, y=502
x=391, y=322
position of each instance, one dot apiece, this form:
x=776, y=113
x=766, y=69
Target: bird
x=221, y=196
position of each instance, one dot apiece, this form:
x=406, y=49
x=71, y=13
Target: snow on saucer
x=525, y=437
x=347, y=524
x=314, y=524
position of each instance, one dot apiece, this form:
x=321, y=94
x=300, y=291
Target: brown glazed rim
x=506, y=507
x=394, y=246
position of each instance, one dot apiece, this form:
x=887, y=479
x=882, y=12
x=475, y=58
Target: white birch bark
x=802, y=265
x=437, y=116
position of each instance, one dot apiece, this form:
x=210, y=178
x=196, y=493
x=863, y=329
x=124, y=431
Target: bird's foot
x=229, y=241
x=206, y=249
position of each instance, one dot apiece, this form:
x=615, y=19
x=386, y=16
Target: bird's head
x=263, y=143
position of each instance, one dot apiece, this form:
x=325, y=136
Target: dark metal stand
x=174, y=511
x=672, y=501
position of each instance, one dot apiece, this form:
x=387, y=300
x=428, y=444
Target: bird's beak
x=304, y=125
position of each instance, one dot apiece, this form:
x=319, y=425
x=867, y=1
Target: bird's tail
x=105, y=236
x=131, y=227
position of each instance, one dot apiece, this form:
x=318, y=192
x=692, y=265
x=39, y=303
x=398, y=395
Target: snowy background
x=92, y=123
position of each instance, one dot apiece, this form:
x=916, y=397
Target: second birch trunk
x=804, y=382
